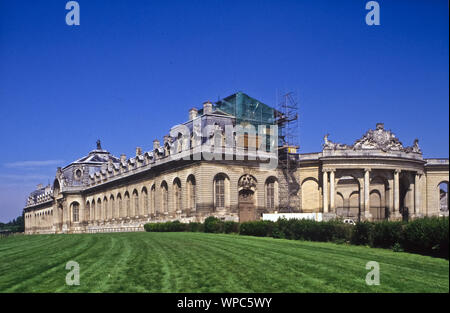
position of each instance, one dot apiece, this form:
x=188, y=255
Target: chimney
x=207, y=107
x=192, y=113
x=138, y=151
x=155, y=144
x=123, y=157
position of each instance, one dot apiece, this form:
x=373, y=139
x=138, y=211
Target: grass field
x=198, y=262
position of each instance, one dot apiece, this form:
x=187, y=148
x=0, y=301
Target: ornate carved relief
x=373, y=139
x=247, y=182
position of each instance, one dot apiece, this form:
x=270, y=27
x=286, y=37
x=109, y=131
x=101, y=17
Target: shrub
x=341, y=232
x=230, y=227
x=397, y=247
x=320, y=231
x=282, y=229
x=195, y=227
x=148, y=227
x=363, y=233
x=174, y=226
x=257, y=228
x=213, y=225
x=386, y=234
x=427, y=236
x=277, y=233
x=299, y=230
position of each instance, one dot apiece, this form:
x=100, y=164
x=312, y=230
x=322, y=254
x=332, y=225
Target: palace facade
x=225, y=161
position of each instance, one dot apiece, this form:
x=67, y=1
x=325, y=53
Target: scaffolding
x=246, y=109
x=288, y=144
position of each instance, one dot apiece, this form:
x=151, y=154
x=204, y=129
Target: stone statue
x=416, y=147
x=197, y=135
x=215, y=130
x=334, y=146
x=325, y=139
x=185, y=141
x=99, y=145
x=327, y=144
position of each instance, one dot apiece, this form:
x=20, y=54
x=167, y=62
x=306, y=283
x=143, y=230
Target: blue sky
x=132, y=69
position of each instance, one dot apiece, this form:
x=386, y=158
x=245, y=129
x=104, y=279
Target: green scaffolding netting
x=246, y=109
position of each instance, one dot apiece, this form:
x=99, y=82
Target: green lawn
x=197, y=262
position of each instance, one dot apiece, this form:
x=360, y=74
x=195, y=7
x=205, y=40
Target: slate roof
x=96, y=157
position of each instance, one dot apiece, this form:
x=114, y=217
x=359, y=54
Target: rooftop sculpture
x=374, y=139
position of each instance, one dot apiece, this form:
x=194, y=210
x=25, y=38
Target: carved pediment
x=374, y=139
x=378, y=138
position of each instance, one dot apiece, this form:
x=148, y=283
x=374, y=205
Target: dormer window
x=78, y=174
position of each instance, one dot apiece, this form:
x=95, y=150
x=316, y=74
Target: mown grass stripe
x=198, y=262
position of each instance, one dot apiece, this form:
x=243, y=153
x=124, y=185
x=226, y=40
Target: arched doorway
x=376, y=207
x=310, y=193
x=379, y=197
x=354, y=207
x=348, y=197
x=247, y=189
x=405, y=200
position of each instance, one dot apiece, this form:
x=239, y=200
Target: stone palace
x=213, y=165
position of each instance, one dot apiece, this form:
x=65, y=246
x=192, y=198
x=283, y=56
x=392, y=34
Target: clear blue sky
x=132, y=69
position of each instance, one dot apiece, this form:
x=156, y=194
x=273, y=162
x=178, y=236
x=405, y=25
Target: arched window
x=76, y=212
x=164, y=197
x=136, y=203
x=270, y=193
x=220, y=191
x=56, y=188
x=153, y=199
x=146, y=208
x=105, y=209
x=93, y=211
x=112, y=209
x=443, y=197
x=87, y=210
x=191, y=191
x=119, y=212
x=177, y=194
x=127, y=204
x=99, y=210
x=180, y=142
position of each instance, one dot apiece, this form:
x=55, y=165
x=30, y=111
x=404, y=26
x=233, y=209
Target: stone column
x=417, y=194
x=332, y=191
x=325, y=190
x=396, y=193
x=367, y=214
